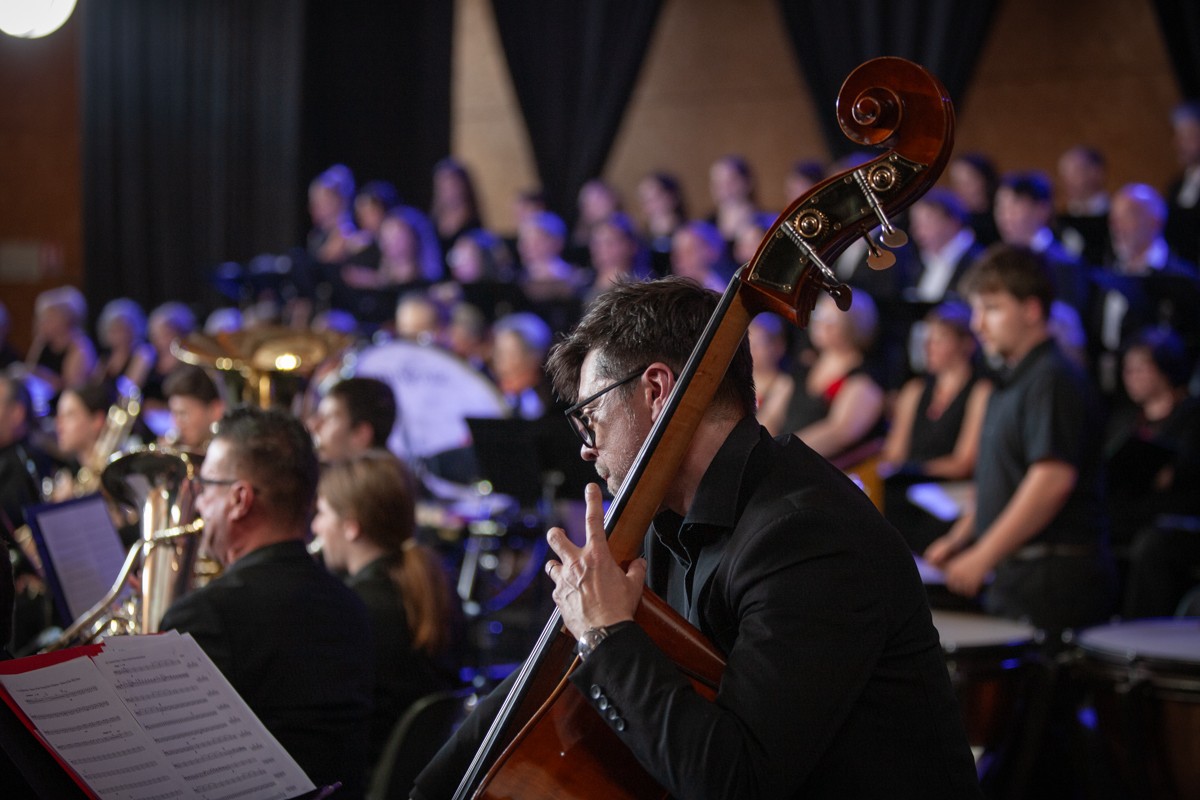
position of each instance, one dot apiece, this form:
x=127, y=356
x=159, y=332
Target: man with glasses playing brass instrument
x=293, y=640
x=835, y=684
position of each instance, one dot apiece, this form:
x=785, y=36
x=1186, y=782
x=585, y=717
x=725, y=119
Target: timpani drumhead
x=435, y=394
x=1173, y=642
x=961, y=631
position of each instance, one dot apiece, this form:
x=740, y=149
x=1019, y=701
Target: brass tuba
x=265, y=366
x=159, y=482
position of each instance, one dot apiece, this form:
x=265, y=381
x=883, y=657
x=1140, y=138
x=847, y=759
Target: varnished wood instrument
x=547, y=741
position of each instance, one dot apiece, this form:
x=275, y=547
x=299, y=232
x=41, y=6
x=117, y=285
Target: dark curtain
x=204, y=121
x=1180, y=23
x=831, y=39
x=190, y=143
x=573, y=65
x=376, y=91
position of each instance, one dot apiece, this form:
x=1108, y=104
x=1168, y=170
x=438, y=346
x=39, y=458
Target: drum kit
x=1135, y=688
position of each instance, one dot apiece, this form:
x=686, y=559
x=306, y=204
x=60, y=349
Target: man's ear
x=657, y=382
x=242, y=497
x=362, y=435
x=352, y=530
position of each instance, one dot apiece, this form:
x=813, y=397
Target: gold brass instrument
x=159, y=482
x=264, y=366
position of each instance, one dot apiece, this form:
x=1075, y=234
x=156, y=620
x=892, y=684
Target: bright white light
x=31, y=19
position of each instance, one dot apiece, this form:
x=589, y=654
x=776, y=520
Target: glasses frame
x=204, y=482
x=579, y=422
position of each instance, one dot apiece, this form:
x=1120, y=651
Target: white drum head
x=435, y=394
x=1154, y=639
x=961, y=631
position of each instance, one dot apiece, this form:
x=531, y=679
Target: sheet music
x=85, y=549
x=159, y=722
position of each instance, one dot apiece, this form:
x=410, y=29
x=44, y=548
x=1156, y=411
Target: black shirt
x=1042, y=409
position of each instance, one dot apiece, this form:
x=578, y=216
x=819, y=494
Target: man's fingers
x=594, y=518
x=562, y=546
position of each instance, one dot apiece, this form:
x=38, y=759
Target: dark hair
x=636, y=323
x=371, y=401
x=275, y=453
x=18, y=394
x=1089, y=154
x=1017, y=270
x=1031, y=185
x=946, y=202
x=986, y=169
x=96, y=396
x=953, y=314
x=671, y=185
x=460, y=171
x=809, y=169
x=1167, y=351
x=382, y=193
x=187, y=380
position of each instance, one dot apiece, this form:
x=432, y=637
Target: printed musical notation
x=151, y=718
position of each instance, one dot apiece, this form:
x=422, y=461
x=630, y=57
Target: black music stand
x=530, y=460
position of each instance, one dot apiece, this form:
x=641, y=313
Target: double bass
x=546, y=739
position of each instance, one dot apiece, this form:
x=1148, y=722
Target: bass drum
x=436, y=393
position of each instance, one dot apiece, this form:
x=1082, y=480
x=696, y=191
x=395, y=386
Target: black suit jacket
x=835, y=684
x=295, y=643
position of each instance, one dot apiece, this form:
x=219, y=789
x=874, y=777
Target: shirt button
x=595, y=692
x=602, y=702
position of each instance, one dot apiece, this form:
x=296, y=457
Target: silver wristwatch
x=590, y=639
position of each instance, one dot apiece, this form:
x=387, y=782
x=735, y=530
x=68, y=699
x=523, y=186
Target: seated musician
x=78, y=424
x=294, y=641
x=196, y=406
x=355, y=415
x=365, y=523
x=835, y=684
x=836, y=406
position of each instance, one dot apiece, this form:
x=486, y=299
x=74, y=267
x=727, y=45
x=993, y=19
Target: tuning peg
x=879, y=258
x=894, y=237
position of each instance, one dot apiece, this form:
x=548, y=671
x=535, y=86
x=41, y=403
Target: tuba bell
x=158, y=481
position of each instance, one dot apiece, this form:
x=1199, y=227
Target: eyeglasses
x=579, y=421
x=204, y=482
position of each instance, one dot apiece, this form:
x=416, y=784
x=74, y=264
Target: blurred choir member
x=62, y=355
x=408, y=253
x=802, y=176
x=356, y=415
x=121, y=330
x=545, y=274
x=615, y=251
x=1183, y=195
x=773, y=386
x=974, y=179
x=1024, y=214
x=454, y=209
x=365, y=522
x=22, y=463
x=169, y=322
x=1083, y=220
x=292, y=639
x=945, y=245
x=731, y=186
x=1152, y=456
x=596, y=202
x=660, y=197
x=519, y=345
x=836, y=405
x=333, y=237
x=374, y=201
x=419, y=318
x=196, y=407
x=697, y=252
x=934, y=433
x=1145, y=285
x=8, y=354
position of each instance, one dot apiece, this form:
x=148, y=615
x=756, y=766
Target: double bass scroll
x=547, y=741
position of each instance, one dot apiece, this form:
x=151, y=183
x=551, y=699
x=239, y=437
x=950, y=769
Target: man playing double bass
x=835, y=684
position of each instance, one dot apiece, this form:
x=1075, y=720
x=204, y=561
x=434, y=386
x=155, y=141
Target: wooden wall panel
x=720, y=77
x=40, y=172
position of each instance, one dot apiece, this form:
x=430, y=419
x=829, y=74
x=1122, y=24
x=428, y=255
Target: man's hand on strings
x=590, y=587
